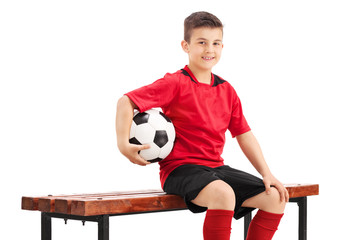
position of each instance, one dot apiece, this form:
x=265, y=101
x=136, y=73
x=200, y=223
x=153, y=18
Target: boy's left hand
x=269, y=181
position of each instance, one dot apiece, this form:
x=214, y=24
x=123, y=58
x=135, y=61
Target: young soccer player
x=202, y=107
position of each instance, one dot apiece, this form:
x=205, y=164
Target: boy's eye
x=201, y=43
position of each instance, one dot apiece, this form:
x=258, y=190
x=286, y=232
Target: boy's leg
x=267, y=219
x=217, y=224
x=216, y=195
x=266, y=202
x=219, y=198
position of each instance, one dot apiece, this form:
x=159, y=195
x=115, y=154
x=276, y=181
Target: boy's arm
x=124, y=116
x=251, y=148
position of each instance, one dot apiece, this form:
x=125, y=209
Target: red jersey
x=201, y=114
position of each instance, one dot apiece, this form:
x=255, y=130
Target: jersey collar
x=193, y=78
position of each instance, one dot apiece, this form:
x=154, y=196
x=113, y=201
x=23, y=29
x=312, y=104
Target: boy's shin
x=263, y=226
x=217, y=224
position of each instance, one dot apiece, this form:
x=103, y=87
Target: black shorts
x=188, y=180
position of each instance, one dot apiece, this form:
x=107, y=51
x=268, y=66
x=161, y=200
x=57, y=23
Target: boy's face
x=204, y=48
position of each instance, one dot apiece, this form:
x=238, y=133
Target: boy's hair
x=200, y=19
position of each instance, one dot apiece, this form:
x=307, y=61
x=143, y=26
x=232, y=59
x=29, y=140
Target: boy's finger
x=281, y=191
x=142, y=161
x=267, y=189
x=287, y=195
x=143, y=147
x=282, y=195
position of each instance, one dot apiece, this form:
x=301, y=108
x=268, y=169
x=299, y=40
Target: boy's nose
x=209, y=48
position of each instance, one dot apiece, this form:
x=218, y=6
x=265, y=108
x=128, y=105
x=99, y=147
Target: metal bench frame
x=103, y=220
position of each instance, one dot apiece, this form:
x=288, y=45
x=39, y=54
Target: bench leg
x=247, y=220
x=103, y=227
x=302, y=203
x=102, y=220
x=45, y=226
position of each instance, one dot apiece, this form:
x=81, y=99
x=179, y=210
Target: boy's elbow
x=122, y=101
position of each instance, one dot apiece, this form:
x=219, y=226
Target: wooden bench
x=100, y=206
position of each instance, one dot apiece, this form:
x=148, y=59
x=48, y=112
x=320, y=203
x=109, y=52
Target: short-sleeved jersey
x=201, y=114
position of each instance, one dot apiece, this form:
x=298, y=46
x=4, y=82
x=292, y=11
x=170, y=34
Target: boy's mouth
x=208, y=58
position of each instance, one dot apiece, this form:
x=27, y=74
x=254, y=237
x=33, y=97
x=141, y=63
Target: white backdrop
x=64, y=64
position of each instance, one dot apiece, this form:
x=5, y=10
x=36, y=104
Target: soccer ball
x=154, y=128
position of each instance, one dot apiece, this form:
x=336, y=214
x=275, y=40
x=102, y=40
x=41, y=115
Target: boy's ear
x=185, y=46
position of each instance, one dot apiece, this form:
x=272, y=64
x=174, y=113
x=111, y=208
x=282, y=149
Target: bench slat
x=302, y=190
x=128, y=202
x=47, y=203
x=129, y=205
x=71, y=205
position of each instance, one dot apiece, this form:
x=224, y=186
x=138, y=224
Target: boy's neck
x=203, y=76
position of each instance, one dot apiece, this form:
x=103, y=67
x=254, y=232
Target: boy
x=202, y=106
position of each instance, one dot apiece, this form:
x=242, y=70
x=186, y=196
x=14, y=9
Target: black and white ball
x=154, y=128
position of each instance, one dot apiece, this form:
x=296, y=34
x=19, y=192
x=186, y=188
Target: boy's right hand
x=131, y=151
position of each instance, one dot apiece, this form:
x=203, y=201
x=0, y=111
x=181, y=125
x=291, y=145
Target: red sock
x=217, y=224
x=263, y=226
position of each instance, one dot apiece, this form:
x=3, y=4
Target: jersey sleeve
x=238, y=124
x=158, y=94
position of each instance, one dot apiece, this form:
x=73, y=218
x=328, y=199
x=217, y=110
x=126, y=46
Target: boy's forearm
x=124, y=115
x=251, y=148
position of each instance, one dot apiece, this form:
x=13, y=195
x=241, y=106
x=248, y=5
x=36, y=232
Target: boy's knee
x=274, y=200
x=216, y=195
x=267, y=202
x=223, y=196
